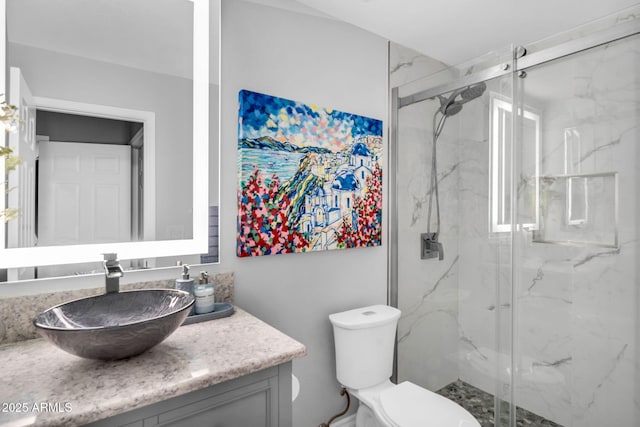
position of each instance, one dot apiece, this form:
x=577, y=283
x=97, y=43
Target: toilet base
x=366, y=418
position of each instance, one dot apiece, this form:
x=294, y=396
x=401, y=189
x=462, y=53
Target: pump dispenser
x=186, y=284
x=204, y=292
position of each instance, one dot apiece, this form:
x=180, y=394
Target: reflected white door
x=21, y=232
x=84, y=193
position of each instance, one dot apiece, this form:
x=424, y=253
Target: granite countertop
x=41, y=385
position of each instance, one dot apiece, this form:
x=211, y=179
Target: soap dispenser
x=184, y=283
x=204, y=295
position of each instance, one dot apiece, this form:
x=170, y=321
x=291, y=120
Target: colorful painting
x=310, y=178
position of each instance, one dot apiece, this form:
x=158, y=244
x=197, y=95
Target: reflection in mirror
x=105, y=91
x=83, y=180
x=91, y=164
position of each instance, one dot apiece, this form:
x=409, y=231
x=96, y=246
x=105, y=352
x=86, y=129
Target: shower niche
x=579, y=209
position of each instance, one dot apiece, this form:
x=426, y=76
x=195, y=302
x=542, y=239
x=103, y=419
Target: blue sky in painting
x=301, y=124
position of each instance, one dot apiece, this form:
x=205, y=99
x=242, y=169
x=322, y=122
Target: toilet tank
x=364, y=341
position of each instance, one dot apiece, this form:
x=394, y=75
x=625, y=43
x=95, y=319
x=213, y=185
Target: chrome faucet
x=113, y=272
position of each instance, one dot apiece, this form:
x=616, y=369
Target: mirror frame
x=71, y=254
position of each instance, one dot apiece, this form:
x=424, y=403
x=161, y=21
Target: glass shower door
x=532, y=317
x=577, y=294
x=455, y=334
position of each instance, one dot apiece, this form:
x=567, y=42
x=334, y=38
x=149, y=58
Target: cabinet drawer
x=251, y=405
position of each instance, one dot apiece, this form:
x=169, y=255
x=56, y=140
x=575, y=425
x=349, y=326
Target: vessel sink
x=115, y=325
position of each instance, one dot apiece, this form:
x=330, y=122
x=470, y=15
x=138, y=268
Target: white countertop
x=41, y=385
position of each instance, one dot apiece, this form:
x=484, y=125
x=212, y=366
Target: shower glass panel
x=577, y=300
x=532, y=316
x=454, y=335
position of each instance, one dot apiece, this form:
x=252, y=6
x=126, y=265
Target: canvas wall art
x=309, y=178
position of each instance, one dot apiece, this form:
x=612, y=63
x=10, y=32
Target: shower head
x=473, y=92
x=448, y=106
x=452, y=108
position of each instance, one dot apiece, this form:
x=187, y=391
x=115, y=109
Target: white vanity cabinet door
x=261, y=399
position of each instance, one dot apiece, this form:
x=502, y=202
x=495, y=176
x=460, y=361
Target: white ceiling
x=454, y=31
x=151, y=34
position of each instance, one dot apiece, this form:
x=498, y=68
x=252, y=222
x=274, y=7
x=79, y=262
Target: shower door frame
x=520, y=62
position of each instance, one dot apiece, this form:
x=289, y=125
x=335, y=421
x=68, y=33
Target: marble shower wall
x=577, y=309
x=428, y=294
x=577, y=305
x=485, y=289
x=449, y=308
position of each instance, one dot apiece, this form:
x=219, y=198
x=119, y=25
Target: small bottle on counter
x=184, y=283
x=204, y=295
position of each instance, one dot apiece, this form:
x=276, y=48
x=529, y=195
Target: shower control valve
x=430, y=247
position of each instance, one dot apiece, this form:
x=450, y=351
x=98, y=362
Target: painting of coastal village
x=309, y=178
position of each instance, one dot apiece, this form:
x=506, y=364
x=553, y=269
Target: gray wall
x=323, y=62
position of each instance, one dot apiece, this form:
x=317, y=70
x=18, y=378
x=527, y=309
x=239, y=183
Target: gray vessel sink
x=115, y=325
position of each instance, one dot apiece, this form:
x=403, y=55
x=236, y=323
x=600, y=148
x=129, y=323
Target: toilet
x=364, y=341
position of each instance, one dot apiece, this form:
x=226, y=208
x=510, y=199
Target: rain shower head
x=450, y=106
x=452, y=109
x=473, y=92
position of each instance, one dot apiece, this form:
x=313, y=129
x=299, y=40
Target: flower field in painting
x=309, y=178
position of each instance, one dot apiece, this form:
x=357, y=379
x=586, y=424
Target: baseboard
x=349, y=421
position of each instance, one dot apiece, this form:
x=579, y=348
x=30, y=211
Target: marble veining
x=589, y=257
x=406, y=65
x=194, y=357
x=410, y=311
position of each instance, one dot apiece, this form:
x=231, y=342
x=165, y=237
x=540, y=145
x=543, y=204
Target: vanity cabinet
x=244, y=380
x=259, y=399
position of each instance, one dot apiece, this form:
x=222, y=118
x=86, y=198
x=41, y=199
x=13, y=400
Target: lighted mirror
x=113, y=137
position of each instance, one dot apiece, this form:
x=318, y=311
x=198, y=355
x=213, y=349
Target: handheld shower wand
x=449, y=106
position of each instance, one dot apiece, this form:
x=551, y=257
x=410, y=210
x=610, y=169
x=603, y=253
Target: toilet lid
x=408, y=405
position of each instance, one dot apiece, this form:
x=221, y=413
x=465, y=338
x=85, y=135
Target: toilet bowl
x=364, y=342
x=408, y=405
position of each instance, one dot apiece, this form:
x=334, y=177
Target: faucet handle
x=112, y=267
x=440, y=250
x=110, y=256
x=113, y=272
